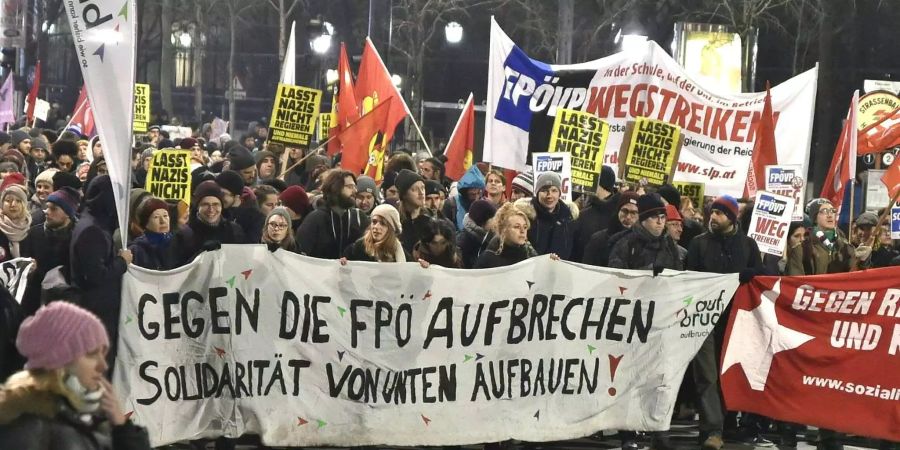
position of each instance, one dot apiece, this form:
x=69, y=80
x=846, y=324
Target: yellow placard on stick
x=693, y=191
x=141, y=107
x=294, y=114
x=584, y=136
x=649, y=151
x=326, y=120
x=169, y=176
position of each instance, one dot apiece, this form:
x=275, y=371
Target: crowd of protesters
x=57, y=207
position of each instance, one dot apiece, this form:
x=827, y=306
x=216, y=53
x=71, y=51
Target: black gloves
x=657, y=269
x=210, y=246
x=272, y=247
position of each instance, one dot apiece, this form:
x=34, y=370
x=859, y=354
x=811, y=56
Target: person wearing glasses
x=207, y=229
x=277, y=232
x=827, y=249
x=596, y=253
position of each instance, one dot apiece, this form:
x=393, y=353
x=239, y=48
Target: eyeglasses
x=277, y=226
x=827, y=211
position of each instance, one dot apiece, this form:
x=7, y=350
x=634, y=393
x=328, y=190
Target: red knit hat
x=57, y=334
x=295, y=198
x=147, y=208
x=672, y=214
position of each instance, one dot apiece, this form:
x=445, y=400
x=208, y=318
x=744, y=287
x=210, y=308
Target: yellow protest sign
x=584, y=136
x=650, y=148
x=169, y=175
x=694, y=191
x=294, y=114
x=325, y=123
x=141, y=107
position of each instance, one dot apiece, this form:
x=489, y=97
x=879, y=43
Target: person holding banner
x=827, y=249
x=596, y=252
x=62, y=396
x=724, y=248
x=234, y=208
x=381, y=242
x=511, y=227
x=207, y=229
x=277, y=233
x=152, y=249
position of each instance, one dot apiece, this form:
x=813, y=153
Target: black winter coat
x=413, y=230
x=639, y=249
x=472, y=241
x=153, y=257
x=50, y=248
x=511, y=254
x=325, y=234
x=97, y=269
x=717, y=253
x=37, y=420
x=596, y=251
x=552, y=232
x=250, y=219
x=598, y=216
x=191, y=240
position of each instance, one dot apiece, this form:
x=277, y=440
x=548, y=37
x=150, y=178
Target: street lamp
x=331, y=76
x=631, y=36
x=322, y=43
x=453, y=32
x=397, y=80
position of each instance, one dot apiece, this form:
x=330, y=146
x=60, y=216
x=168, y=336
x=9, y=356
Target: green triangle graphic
x=230, y=282
x=688, y=301
x=124, y=11
x=342, y=310
x=591, y=348
x=468, y=358
x=321, y=423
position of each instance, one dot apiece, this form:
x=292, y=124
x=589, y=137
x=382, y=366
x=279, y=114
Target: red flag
x=462, y=142
x=881, y=135
x=764, y=149
x=817, y=350
x=843, y=163
x=357, y=137
x=33, y=93
x=347, y=110
x=83, y=116
x=374, y=85
x=891, y=179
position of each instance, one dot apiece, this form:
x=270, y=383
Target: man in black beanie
x=245, y=214
x=599, y=213
x=242, y=162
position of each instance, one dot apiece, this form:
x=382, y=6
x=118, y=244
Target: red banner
x=818, y=350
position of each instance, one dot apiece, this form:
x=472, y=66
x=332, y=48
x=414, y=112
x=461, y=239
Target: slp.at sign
x=294, y=114
x=650, y=150
x=169, y=176
x=787, y=180
x=141, y=107
x=560, y=163
x=895, y=223
x=770, y=222
x=582, y=135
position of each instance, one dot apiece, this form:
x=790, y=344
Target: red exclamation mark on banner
x=613, y=366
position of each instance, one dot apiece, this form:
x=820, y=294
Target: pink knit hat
x=57, y=334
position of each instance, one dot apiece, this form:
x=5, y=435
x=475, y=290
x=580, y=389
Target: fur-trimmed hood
x=18, y=402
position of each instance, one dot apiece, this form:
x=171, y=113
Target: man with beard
x=596, y=252
x=245, y=214
x=206, y=229
x=48, y=242
x=337, y=224
x=648, y=246
x=242, y=162
x=723, y=249
x=435, y=194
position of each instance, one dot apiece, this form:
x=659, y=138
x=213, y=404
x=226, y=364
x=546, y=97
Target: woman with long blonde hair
x=511, y=225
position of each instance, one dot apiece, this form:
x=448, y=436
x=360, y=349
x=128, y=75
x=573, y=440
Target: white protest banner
x=306, y=352
x=770, y=222
x=14, y=276
x=41, y=109
x=719, y=129
x=103, y=32
x=788, y=180
x=558, y=162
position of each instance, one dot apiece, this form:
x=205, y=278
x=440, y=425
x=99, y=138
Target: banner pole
x=852, y=211
x=313, y=152
x=421, y=136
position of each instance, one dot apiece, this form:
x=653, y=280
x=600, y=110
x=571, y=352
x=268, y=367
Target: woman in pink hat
x=62, y=398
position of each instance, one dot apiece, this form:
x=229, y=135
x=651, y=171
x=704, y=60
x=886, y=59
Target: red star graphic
x=427, y=295
x=301, y=421
x=220, y=352
x=247, y=273
x=622, y=290
x=426, y=420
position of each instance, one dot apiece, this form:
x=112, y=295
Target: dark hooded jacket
x=597, y=216
x=39, y=420
x=551, y=231
x=153, y=252
x=49, y=248
x=510, y=254
x=641, y=250
x=455, y=208
x=472, y=241
x=723, y=253
x=596, y=251
x=95, y=265
x=326, y=233
x=198, y=236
